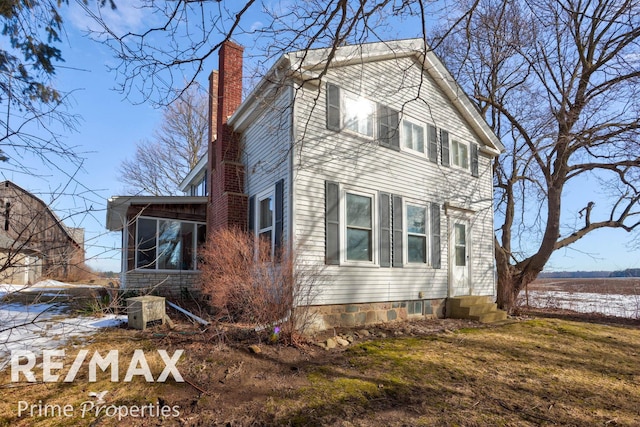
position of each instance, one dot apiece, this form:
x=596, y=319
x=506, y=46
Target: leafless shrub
x=246, y=284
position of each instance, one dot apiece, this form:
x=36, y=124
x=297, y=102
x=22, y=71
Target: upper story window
x=358, y=114
x=346, y=110
x=412, y=136
x=200, y=187
x=460, y=154
x=167, y=244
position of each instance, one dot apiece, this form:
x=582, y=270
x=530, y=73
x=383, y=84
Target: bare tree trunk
x=511, y=280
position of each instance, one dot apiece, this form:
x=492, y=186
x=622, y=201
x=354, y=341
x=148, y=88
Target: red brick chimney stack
x=227, y=202
x=213, y=107
x=213, y=126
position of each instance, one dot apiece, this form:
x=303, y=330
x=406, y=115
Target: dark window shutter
x=388, y=131
x=444, y=147
x=279, y=214
x=474, y=160
x=397, y=232
x=332, y=226
x=385, y=229
x=433, y=143
x=333, y=107
x=252, y=214
x=436, y=250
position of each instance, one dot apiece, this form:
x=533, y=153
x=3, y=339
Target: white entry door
x=459, y=258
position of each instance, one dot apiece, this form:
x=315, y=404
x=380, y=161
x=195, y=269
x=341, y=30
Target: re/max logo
x=23, y=362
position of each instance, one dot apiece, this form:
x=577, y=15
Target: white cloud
x=256, y=25
x=128, y=16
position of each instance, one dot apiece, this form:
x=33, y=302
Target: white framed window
x=359, y=227
x=416, y=233
x=167, y=244
x=358, y=114
x=459, y=154
x=346, y=110
x=265, y=219
x=412, y=136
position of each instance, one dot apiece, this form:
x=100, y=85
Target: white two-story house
x=375, y=168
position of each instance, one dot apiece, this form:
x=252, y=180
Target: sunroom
x=161, y=240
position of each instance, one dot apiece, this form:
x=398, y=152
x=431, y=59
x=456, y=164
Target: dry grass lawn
x=532, y=372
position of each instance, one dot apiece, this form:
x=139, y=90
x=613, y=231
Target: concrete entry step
x=473, y=307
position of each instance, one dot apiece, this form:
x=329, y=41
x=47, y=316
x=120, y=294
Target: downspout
x=291, y=232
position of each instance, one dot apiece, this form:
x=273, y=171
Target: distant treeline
x=629, y=272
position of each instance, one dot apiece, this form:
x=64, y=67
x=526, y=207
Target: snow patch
x=609, y=304
x=40, y=326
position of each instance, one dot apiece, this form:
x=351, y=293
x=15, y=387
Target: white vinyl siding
x=320, y=155
x=267, y=142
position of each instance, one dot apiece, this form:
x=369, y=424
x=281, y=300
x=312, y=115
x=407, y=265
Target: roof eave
x=117, y=206
x=194, y=172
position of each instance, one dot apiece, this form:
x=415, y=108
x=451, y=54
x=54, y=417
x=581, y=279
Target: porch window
x=166, y=244
x=359, y=218
x=416, y=234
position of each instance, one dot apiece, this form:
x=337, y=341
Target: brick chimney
x=227, y=202
x=213, y=135
x=213, y=107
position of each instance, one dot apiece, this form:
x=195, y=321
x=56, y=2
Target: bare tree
x=559, y=82
x=192, y=32
x=159, y=165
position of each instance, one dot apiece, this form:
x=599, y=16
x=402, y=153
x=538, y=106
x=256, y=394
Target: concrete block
x=145, y=309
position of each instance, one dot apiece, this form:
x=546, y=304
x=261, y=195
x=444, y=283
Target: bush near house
x=246, y=284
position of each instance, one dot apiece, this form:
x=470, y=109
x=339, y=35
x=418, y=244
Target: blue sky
x=111, y=126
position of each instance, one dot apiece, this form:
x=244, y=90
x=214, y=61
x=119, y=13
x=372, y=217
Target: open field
x=615, y=297
x=528, y=372
x=622, y=286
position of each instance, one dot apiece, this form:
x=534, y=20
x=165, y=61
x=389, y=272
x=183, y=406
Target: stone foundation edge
x=325, y=317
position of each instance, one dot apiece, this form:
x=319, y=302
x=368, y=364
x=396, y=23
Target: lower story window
x=416, y=234
x=265, y=224
x=359, y=227
x=166, y=244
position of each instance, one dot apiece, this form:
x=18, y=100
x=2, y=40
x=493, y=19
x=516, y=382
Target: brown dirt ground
x=227, y=384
